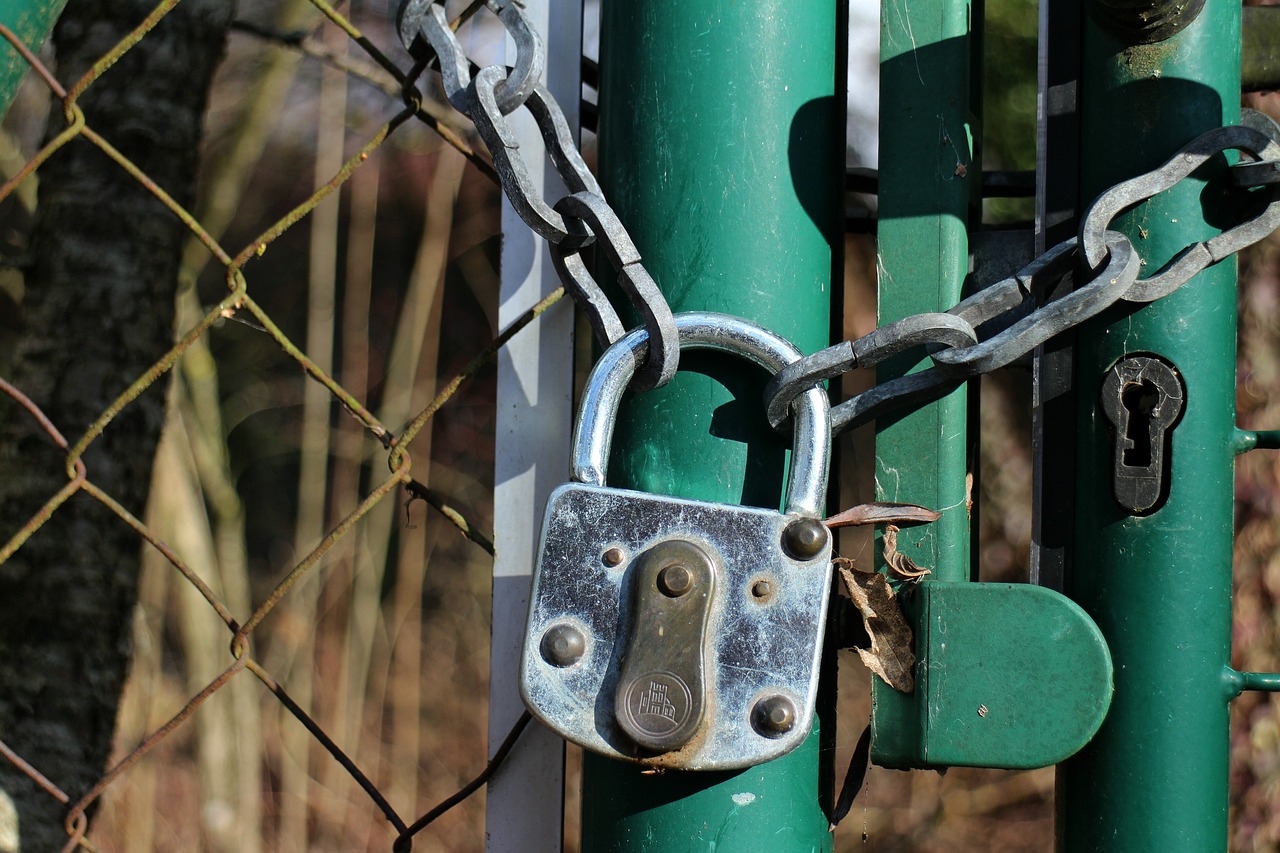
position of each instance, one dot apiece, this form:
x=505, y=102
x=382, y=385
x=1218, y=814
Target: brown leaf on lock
x=882, y=513
x=892, y=651
x=899, y=563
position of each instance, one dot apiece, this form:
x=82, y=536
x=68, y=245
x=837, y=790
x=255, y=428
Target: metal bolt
x=773, y=716
x=804, y=538
x=562, y=645
x=612, y=557
x=675, y=580
x=762, y=589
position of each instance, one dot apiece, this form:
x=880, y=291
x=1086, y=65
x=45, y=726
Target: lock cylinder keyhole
x=1143, y=396
x=661, y=698
x=1140, y=400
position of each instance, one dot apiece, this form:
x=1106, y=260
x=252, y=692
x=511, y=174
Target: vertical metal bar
x=524, y=808
x=927, y=179
x=31, y=21
x=721, y=146
x=1057, y=184
x=926, y=189
x=1159, y=586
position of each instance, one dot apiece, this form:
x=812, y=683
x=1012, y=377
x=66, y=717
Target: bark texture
x=98, y=310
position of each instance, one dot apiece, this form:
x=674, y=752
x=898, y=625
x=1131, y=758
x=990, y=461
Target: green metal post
x=927, y=173
x=927, y=179
x=31, y=21
x=721, y=147
x=1159, y=586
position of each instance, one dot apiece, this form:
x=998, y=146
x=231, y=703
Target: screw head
x=675, y=580
x=562, y=645
x=612, y=557
x=773, y=716
x=804, y=538
x=762, y=589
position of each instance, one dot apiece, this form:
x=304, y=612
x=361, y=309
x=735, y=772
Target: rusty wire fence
x=339, y=44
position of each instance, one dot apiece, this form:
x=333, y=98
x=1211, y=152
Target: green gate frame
x=1164, y=743
x=691, y=100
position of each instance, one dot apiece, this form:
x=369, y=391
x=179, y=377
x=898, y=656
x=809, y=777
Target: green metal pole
x=721, y=147
x=1159, y=586
x=927, y=177
x=31, y=21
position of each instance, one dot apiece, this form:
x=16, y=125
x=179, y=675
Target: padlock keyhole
x=1140, y=399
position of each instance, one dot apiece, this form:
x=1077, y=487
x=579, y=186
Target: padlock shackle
x=811, y=448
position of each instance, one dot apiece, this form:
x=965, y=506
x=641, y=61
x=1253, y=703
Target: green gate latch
x=1007, y=675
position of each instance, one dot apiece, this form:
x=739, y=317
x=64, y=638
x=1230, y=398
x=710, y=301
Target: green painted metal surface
x=1241, y=681
x=1266, y=439
x=721, y=146
x=31, y=21
x=773, y=808
x=928, y=177
x=1011, y=675
x=1159, y=587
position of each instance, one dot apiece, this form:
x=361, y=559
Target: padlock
x=680, y=633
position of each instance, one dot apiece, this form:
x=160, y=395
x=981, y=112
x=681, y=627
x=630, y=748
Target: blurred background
x=391, y=286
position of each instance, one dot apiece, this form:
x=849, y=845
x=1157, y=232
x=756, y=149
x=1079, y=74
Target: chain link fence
x=327, y=530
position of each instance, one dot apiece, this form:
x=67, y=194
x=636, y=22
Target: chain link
x=1112, y=267
x=1257, y=137
x=576, y=221
x=1110, y=263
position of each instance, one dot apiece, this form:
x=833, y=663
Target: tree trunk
x=98, y=311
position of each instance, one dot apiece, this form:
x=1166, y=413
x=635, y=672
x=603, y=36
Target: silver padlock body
x=757, y=646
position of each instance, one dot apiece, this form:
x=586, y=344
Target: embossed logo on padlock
x=658, y=704
x=675, y=632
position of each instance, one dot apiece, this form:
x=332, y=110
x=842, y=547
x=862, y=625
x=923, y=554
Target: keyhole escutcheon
x=1143, y=396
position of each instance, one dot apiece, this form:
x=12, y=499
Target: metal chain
x=1112, y=266
x=1257, y=136
x=1026, y=317
x=575, y=221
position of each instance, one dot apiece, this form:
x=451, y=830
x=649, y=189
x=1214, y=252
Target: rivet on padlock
x=805, y=538
x=562, y=645
x=774, y=716
x=701, y=623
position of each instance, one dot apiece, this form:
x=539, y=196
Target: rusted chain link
x=1111, y=275
x=581, y=218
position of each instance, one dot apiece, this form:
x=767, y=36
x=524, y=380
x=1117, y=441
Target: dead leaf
x=899, y=563
x=892, y=654
x=882, y=513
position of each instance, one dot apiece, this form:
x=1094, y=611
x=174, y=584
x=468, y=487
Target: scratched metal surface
x=753, y=648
